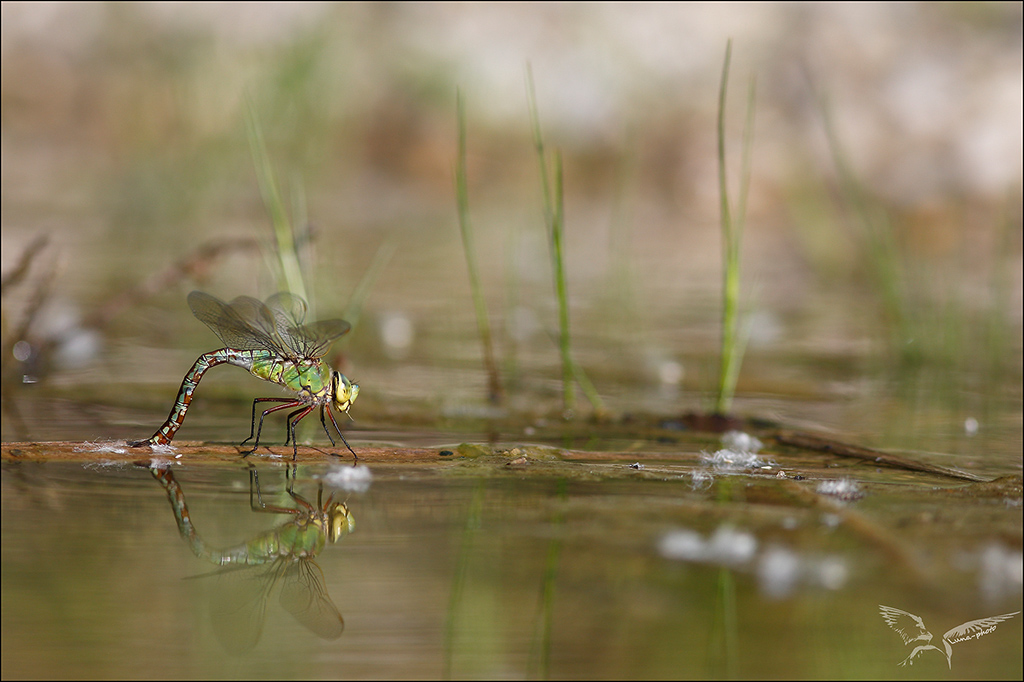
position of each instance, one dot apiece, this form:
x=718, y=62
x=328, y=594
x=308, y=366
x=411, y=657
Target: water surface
x=472, y=567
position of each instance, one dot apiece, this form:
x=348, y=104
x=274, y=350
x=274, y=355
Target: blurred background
x=881, y=259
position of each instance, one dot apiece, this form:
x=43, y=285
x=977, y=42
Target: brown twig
x=27, y=256
x=191, y=264
x=809, y=441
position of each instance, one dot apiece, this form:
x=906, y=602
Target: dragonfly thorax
x=343, y=391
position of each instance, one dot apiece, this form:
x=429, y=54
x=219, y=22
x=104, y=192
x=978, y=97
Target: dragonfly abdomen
x=239, y=358
x=181, y=515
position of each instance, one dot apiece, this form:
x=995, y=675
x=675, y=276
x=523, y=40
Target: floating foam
x=353, y=479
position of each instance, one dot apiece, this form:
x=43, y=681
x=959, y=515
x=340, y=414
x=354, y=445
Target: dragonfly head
x=345, y=392
x=340, y=521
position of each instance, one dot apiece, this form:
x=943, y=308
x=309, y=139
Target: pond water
x=481, y=561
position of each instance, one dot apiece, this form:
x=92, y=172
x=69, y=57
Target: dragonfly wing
x=314, y=340
x=263, y=319
x=288, y=310
x=238, y=606
x=241, y=325
x=277, y=325
x=304, y=595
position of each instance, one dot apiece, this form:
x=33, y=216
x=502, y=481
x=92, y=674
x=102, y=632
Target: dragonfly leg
x=334, y=421
x=254, y=483
x=291, y=473
x=323, y=408
x=293, y=419
x=285, y=404
x=256, y=502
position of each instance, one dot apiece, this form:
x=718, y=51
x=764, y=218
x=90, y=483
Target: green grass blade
x=745, y=170
x=494, y=390
x=877, y=233
x=561, y=291
x=733, y=346
x=290, y=271
x=355, y=303
x=588, y=388
x=538, y=143
x=554, y=218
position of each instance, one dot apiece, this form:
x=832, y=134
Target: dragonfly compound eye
x=341, y=521
x=345, y=392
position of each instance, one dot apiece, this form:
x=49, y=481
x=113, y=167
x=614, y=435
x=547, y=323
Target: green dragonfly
x=271, y=342
x=249, y=572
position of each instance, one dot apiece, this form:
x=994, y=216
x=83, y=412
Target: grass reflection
x=540, y=644
x=469, y=532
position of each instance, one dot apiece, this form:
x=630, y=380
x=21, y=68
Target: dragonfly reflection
x=281, y=556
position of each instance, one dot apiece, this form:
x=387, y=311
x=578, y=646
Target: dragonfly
x=271, y=341
x=284, y=555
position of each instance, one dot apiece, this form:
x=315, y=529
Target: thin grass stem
x=561, y=291
x=289, y=268
x=879, y=240
x=538, y=144
x=354, y=308
x=733, y=346
x=494, y=390
x=554, y=218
